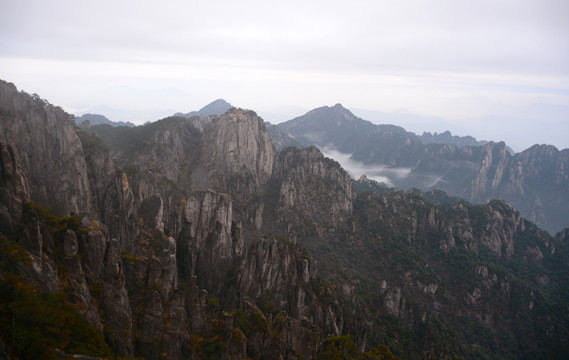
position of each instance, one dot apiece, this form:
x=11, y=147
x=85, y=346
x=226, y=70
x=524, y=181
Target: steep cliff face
x=313, y=191
x=239, y=160
x=293, y=319
x=494, y=160
x=210, y=240
x=42, y=138
x=14, y=189
x=534, y=181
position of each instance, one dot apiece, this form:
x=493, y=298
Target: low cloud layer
x=379, y=173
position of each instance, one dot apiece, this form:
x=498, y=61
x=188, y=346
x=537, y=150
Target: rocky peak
x=494, y=162
x=215, y=108
x=334, y=113
x=240, y=153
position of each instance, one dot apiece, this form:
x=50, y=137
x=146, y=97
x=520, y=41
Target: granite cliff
x=194, y=238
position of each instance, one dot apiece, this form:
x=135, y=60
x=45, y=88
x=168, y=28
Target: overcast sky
x=494, y=69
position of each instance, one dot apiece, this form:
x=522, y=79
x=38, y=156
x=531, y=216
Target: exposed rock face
x=241, y=155
x=281, y=276
x=170, y=149
x=210, y=240
x=491, y=172
x=312, y=187
x=43, y=139
x=115, y=302
x=14, y=189
x=172, y=256
x=271, y=266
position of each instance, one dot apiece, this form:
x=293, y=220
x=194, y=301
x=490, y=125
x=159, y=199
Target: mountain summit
x=216, y=107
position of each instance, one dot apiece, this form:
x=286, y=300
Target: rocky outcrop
x=240, y=154
x=210, y=240
x=170, y=146
x=312, y=187
x=14, y=190
x=280, y=294
x=275, y=269
x=494, y=161
x=44, y=140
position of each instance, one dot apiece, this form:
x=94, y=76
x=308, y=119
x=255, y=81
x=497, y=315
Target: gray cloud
x=444, y=58
x=528, y=36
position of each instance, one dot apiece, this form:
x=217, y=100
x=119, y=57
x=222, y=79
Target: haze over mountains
x=194, y=237
x=533, y=180
x=95, y=119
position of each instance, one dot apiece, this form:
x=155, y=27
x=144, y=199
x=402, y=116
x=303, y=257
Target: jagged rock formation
x=194, y=238
x=313, y=191
x=447, y=138
x=241, y=154
x=534, y=181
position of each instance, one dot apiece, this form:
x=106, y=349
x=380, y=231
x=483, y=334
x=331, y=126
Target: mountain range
x=535, y=181
x=196, y=238
x=87, y=120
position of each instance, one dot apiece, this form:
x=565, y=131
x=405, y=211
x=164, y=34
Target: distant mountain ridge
x=281, y=139
x=447, y=137
x=535, y=181
x=96, y=119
